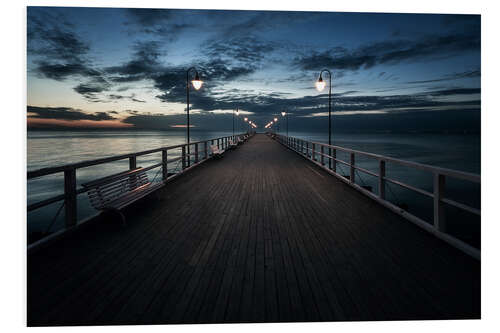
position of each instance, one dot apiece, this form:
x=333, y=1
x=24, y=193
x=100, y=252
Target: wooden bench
x=216, y=152
x=112, y=193
x=232, y=144
x=239, y=141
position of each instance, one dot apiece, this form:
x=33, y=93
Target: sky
x=126, y=68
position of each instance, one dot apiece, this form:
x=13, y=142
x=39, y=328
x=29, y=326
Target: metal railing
x=197, y=153
x=328, y=160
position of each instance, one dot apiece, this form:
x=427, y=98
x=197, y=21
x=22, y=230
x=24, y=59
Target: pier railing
x=188, y=156
x=325, y=156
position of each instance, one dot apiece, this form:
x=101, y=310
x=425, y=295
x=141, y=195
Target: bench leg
x=114, y=213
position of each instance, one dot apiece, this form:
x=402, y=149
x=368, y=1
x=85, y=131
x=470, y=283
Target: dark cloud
x=460, y=91
x=158, y=22
x=449, y=77
x=124, y=97
x=144, y=62
x=66, y=113
x=391, y=52
x=52, y=37
x=90, y=90
x=249, y=49
x=58, y=51
x=61, y=71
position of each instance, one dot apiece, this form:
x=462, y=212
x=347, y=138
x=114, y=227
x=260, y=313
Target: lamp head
x=320, y=84
x=283, y=113
x=197, y=83
x=246, y=119
x=275, y=119
x=237, y=112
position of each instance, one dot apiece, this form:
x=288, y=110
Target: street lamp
x=237, y=113
x=283, y=113
x=248, y=126
x=320, y=85
x=197, y=83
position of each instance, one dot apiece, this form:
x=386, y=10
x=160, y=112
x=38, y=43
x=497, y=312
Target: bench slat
x=107, y=179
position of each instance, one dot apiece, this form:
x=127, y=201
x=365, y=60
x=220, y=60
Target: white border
x=13, y=196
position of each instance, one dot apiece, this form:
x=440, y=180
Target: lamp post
x=283, y=113
x=320, y=85
x=237, y=112
x=197, y=83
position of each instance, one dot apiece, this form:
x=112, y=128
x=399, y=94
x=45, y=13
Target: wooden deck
x=259, y=236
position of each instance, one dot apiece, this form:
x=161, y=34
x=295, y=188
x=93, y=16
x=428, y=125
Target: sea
x=448, y=150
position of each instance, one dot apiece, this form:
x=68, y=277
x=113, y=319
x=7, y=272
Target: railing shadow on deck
x=328, y=161
x=188, y=155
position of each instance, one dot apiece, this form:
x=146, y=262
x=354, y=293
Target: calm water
x=460, y=152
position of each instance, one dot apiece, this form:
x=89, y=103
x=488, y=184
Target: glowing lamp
x=197, y=83
x=320, y=84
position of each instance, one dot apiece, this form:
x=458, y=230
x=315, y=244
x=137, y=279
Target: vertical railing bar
x=333, y=159
x=322, y=156
x=439, y=208
x=70, y=197
x=351, y=177
x=183, y=157
x=132, y=162
x=164, y=165
x=381, y=180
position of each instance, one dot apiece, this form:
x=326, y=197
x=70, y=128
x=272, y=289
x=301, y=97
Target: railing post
x=218, y=143
x=164, y=164
x=70, y=197
x=183, y=157
x=307, y=149
x=132, y=162
x=196, y=153
x=322, y=150
x=205, y=146
x=439, y=209
x=351, y=178
x=313, y=152
x=381, y=180
x=333, y=159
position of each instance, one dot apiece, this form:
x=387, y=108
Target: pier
x=264, y=234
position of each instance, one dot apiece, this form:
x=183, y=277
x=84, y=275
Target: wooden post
x=381, y=180
x=196, y=153
x=307, y=149
x=313, y=152
x=218, y=143
x=183, y=157
x=164, y=164
x=132, y=162
x=205, y=146
x=439, y=209
x=322, y=157
x=351, y=178
x=70, y=197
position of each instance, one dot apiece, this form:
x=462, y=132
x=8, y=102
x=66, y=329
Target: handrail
x=309, y=150
x=71, y=191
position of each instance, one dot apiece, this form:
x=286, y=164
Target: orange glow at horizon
x=44, y=122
